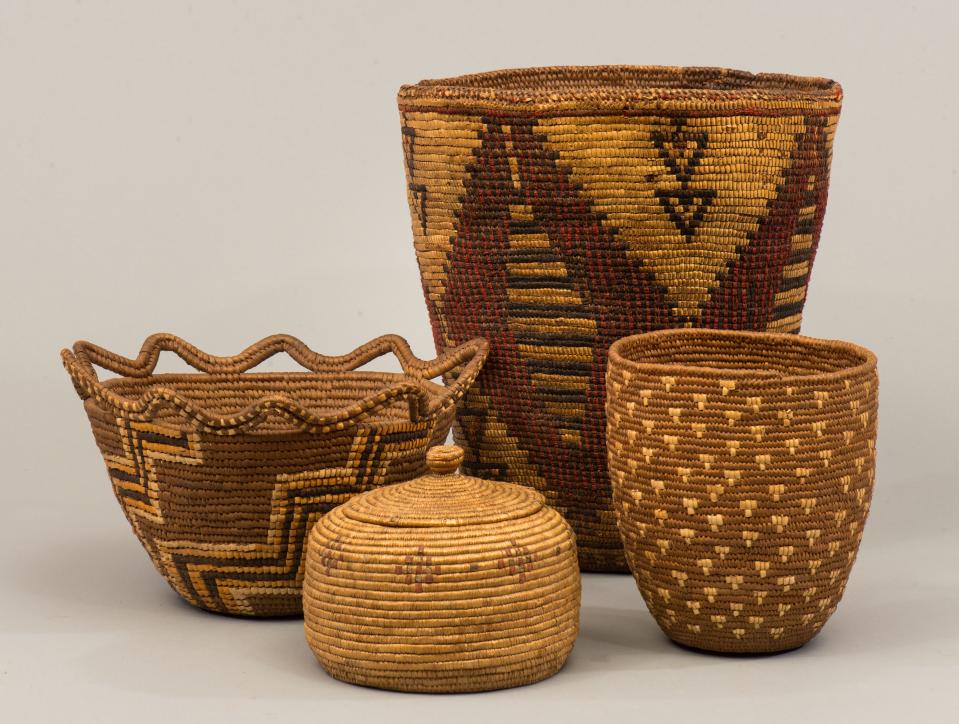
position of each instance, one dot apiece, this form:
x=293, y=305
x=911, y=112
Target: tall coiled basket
x=556, y=210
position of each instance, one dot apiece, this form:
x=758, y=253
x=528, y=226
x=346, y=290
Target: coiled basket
x=443, y=584
x=222, y=473
x=556, y=210
x=742, y=468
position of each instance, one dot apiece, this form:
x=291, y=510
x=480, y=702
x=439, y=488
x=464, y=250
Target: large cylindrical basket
x=742, y=467
x=556, y=210
x=222, y=473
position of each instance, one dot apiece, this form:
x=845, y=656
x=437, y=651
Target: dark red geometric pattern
x=555, y=230
x=596, y=268
x=745, y=296
x=574, y=266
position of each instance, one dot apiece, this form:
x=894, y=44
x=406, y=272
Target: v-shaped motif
x=552, y=252
x=682, y=150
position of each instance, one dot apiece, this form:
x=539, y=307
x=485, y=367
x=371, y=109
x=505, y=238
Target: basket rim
x=620, y=349
x=413, y=385
x=621, y=88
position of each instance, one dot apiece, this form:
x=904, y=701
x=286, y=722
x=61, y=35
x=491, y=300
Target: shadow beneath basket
x=79, y=584
x=741, y=655
x=102, y=591
x=95, y=577
x=621, y=639
x=617, y=633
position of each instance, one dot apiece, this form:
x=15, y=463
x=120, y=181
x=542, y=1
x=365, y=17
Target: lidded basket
x=556, y=210
x=446, y=583
x=742, y=467
x=222, y=471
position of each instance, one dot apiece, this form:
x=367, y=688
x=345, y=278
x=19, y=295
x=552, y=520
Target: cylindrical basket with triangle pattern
x=556, y=210
x=742, y=468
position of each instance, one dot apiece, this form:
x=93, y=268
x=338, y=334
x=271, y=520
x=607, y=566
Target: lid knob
x=444, y=459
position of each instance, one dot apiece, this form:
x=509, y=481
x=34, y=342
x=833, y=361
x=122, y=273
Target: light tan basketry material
x=443, y=584
x=555, y=210
x=742, y=467
x=221, y=473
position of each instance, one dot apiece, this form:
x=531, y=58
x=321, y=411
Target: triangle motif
x=662, y=185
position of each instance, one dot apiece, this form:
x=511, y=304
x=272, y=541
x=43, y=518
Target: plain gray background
x=226, y=170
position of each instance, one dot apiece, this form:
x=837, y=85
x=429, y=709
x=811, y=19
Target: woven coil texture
x=443, y=584
x=221, y=473
x=555, y=210
x=742, y=467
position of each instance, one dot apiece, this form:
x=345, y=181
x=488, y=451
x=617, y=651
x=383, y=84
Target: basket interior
x=320, y=393
x=555, y=83
x=754, y=355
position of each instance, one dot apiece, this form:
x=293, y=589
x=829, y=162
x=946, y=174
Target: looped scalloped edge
x=79, y=363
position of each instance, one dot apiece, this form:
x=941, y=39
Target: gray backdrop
x=226, y=170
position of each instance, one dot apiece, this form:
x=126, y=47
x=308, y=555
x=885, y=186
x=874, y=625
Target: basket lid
x=442, y=498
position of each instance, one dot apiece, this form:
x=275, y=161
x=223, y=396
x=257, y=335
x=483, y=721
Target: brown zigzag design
x=224, y=577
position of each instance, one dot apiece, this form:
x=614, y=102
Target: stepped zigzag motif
x=208, y=574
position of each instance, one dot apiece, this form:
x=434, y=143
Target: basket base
x=745, y=652
x=283, y=608
x=443, y=684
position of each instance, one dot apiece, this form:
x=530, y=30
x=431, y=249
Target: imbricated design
x=223, y=498
x=134, y=471
x=556, y=210
x=742, y=468
x=683, y=150
x=218, y=578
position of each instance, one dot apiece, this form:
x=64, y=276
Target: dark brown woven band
x=564, y=90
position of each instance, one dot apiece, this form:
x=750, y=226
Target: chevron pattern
x=682, y=151
x=256, y=577
x=553, y=237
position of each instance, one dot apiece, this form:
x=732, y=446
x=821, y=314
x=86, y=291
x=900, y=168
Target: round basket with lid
x=447, y=583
